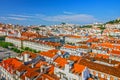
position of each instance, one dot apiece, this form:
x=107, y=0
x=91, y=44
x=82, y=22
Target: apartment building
x=16, y=41
x=37, y=45
x=3, y=32
x=101, y=70
x=75, y=50
x=72, y=71
x=74, y=39
x=7, y=68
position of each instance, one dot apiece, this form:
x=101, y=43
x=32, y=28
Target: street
x=6, y=53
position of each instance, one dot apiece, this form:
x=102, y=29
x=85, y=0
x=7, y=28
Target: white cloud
x=83, y=18
x=13, y=18
x=67, y=12
x=17, y=18
x=18, y=15
x=66, y=17
x=3, y=18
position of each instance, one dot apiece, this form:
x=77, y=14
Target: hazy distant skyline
x=50, y=12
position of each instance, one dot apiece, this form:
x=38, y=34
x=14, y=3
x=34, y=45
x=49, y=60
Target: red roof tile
x=61, y=61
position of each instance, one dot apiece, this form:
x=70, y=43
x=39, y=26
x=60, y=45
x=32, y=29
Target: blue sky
x=36, y=12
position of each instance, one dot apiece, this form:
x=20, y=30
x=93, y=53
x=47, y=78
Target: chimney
x=69, y=66
x=26, y=57
x=110, y=61
x=32, y=65
x=44, y=68
x=59, y=53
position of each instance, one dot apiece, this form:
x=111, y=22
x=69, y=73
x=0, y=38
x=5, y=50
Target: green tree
x=86, y=26
x=26, y=48
x=5, y=44
x=2, y=38
x=63, y=23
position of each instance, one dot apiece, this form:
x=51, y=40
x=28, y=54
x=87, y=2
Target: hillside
x=113, y=21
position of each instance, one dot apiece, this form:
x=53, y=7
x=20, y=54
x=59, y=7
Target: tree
x=2, y=38
x=63, y=23
x=42, y=26
x=26, y=48
x=34, y=51
x=86, y=26
x=5, y=44
x=113, y=21
x=37, y=29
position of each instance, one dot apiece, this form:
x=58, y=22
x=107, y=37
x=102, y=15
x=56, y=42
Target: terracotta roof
x=51, y=70
x=50, y=77
x=84, y=47
x=17, y=38
x=29, y=34
x=102, y=56
x=102, y=59
x=77, y=68
x=109, y=45
x=70, y=46
x=83, y=42
x=117, y=47
x=73, y=36
x=116, y=52
x=54, y=44
x=11, y=64
x=40, y=63
x=31, y=74
x=74, y=58
x=22, y=68
x=61, y=62
x=94, y=45
x=102, y=79
x=99, y=67
x=51, y=55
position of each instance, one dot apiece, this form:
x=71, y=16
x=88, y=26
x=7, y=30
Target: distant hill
x=113, y=21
